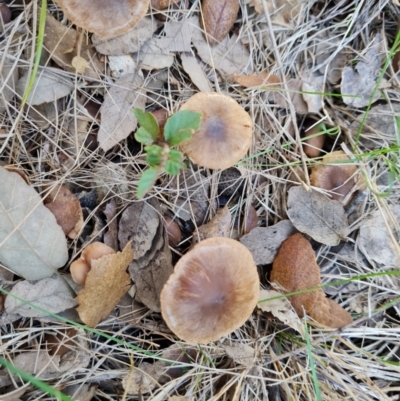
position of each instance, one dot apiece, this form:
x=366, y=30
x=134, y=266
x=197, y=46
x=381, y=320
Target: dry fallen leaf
x=375, y=240
x=196, y=72
x=321, y=218
x=140, y=223
x=241, y=353
x=282, y=11
x=65, y=206
x=144, y=378
x=61, y=42
x=381, y=124
x=128, y=43
x=51, y=294
x=264, y=242
x=263, y=78
x=151, y=277
x=117, y=119
x=177, y=36
x=111, y=236
x=8, y=80
x=192, y=200
x=281, y=309
x=46, y=88
x=358, y=85
x=218, y=18
x=218, y=226
x=312, y=87
x=282, y=98
x=105, y=284
x=32, y=244
x=229, y=57
x=294, y=269
x=41, y=364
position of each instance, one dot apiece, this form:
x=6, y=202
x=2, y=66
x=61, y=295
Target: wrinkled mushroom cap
x=339, y=179
x=105, y=17
x=225, y=132
x=212, y=292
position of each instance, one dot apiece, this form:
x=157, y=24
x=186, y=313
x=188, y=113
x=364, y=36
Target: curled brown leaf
x=218, y=18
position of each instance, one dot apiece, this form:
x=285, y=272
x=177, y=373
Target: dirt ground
x=315, y=77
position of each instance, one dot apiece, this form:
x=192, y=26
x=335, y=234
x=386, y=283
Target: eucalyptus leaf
x=146, y=181
x=143, y=136
x=148, y=122
x=180, y=136
x=173, y=167
x=32, y=244
x=153, y=154
x=182, y=121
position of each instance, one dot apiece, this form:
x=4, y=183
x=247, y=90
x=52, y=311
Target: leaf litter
x=298, y=62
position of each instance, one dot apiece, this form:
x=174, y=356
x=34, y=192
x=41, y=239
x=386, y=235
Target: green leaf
x=148, y=122
x=180, y=136
x=172, y=167
x=175, y=155
x=154, y=154
x=183, y=121
x=146, y=181
x=174, y=163
x=144, y=136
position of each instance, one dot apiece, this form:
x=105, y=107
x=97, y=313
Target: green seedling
x=159, y=154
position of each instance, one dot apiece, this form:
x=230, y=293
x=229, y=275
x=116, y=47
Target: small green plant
x=159, y=155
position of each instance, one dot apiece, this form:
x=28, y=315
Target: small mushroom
x=338, y=179
x=81, y=267
x=225, y=133
x=212, y=292
x=315, y=138
x=173, y=231
x=104, y=17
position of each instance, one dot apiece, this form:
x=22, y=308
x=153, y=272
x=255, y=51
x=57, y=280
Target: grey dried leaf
x=380, y=124
x=281, y=308
x=111, y=236
x=152, y=57
x=375, y=241
x=117, y=119
x=264, y=242
x=46, y=88
x=192, y=200
x=358, y=85
x=139, y=223
x=229, y=57
x=32, y=244
x=8, y=80
x=241, y=353
x=312, y=91
x=39, y=363
x=150, y=278
x=282, y=99
x=177, y=36
x=321, y=218
x=195, y=72
x=144, y=378
x=128, y=43
x=51, y=294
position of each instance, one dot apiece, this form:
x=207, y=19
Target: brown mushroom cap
x=225, y=132
x=212, y=292
x=339, y=179
x=104, y=17
x=81, y=267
